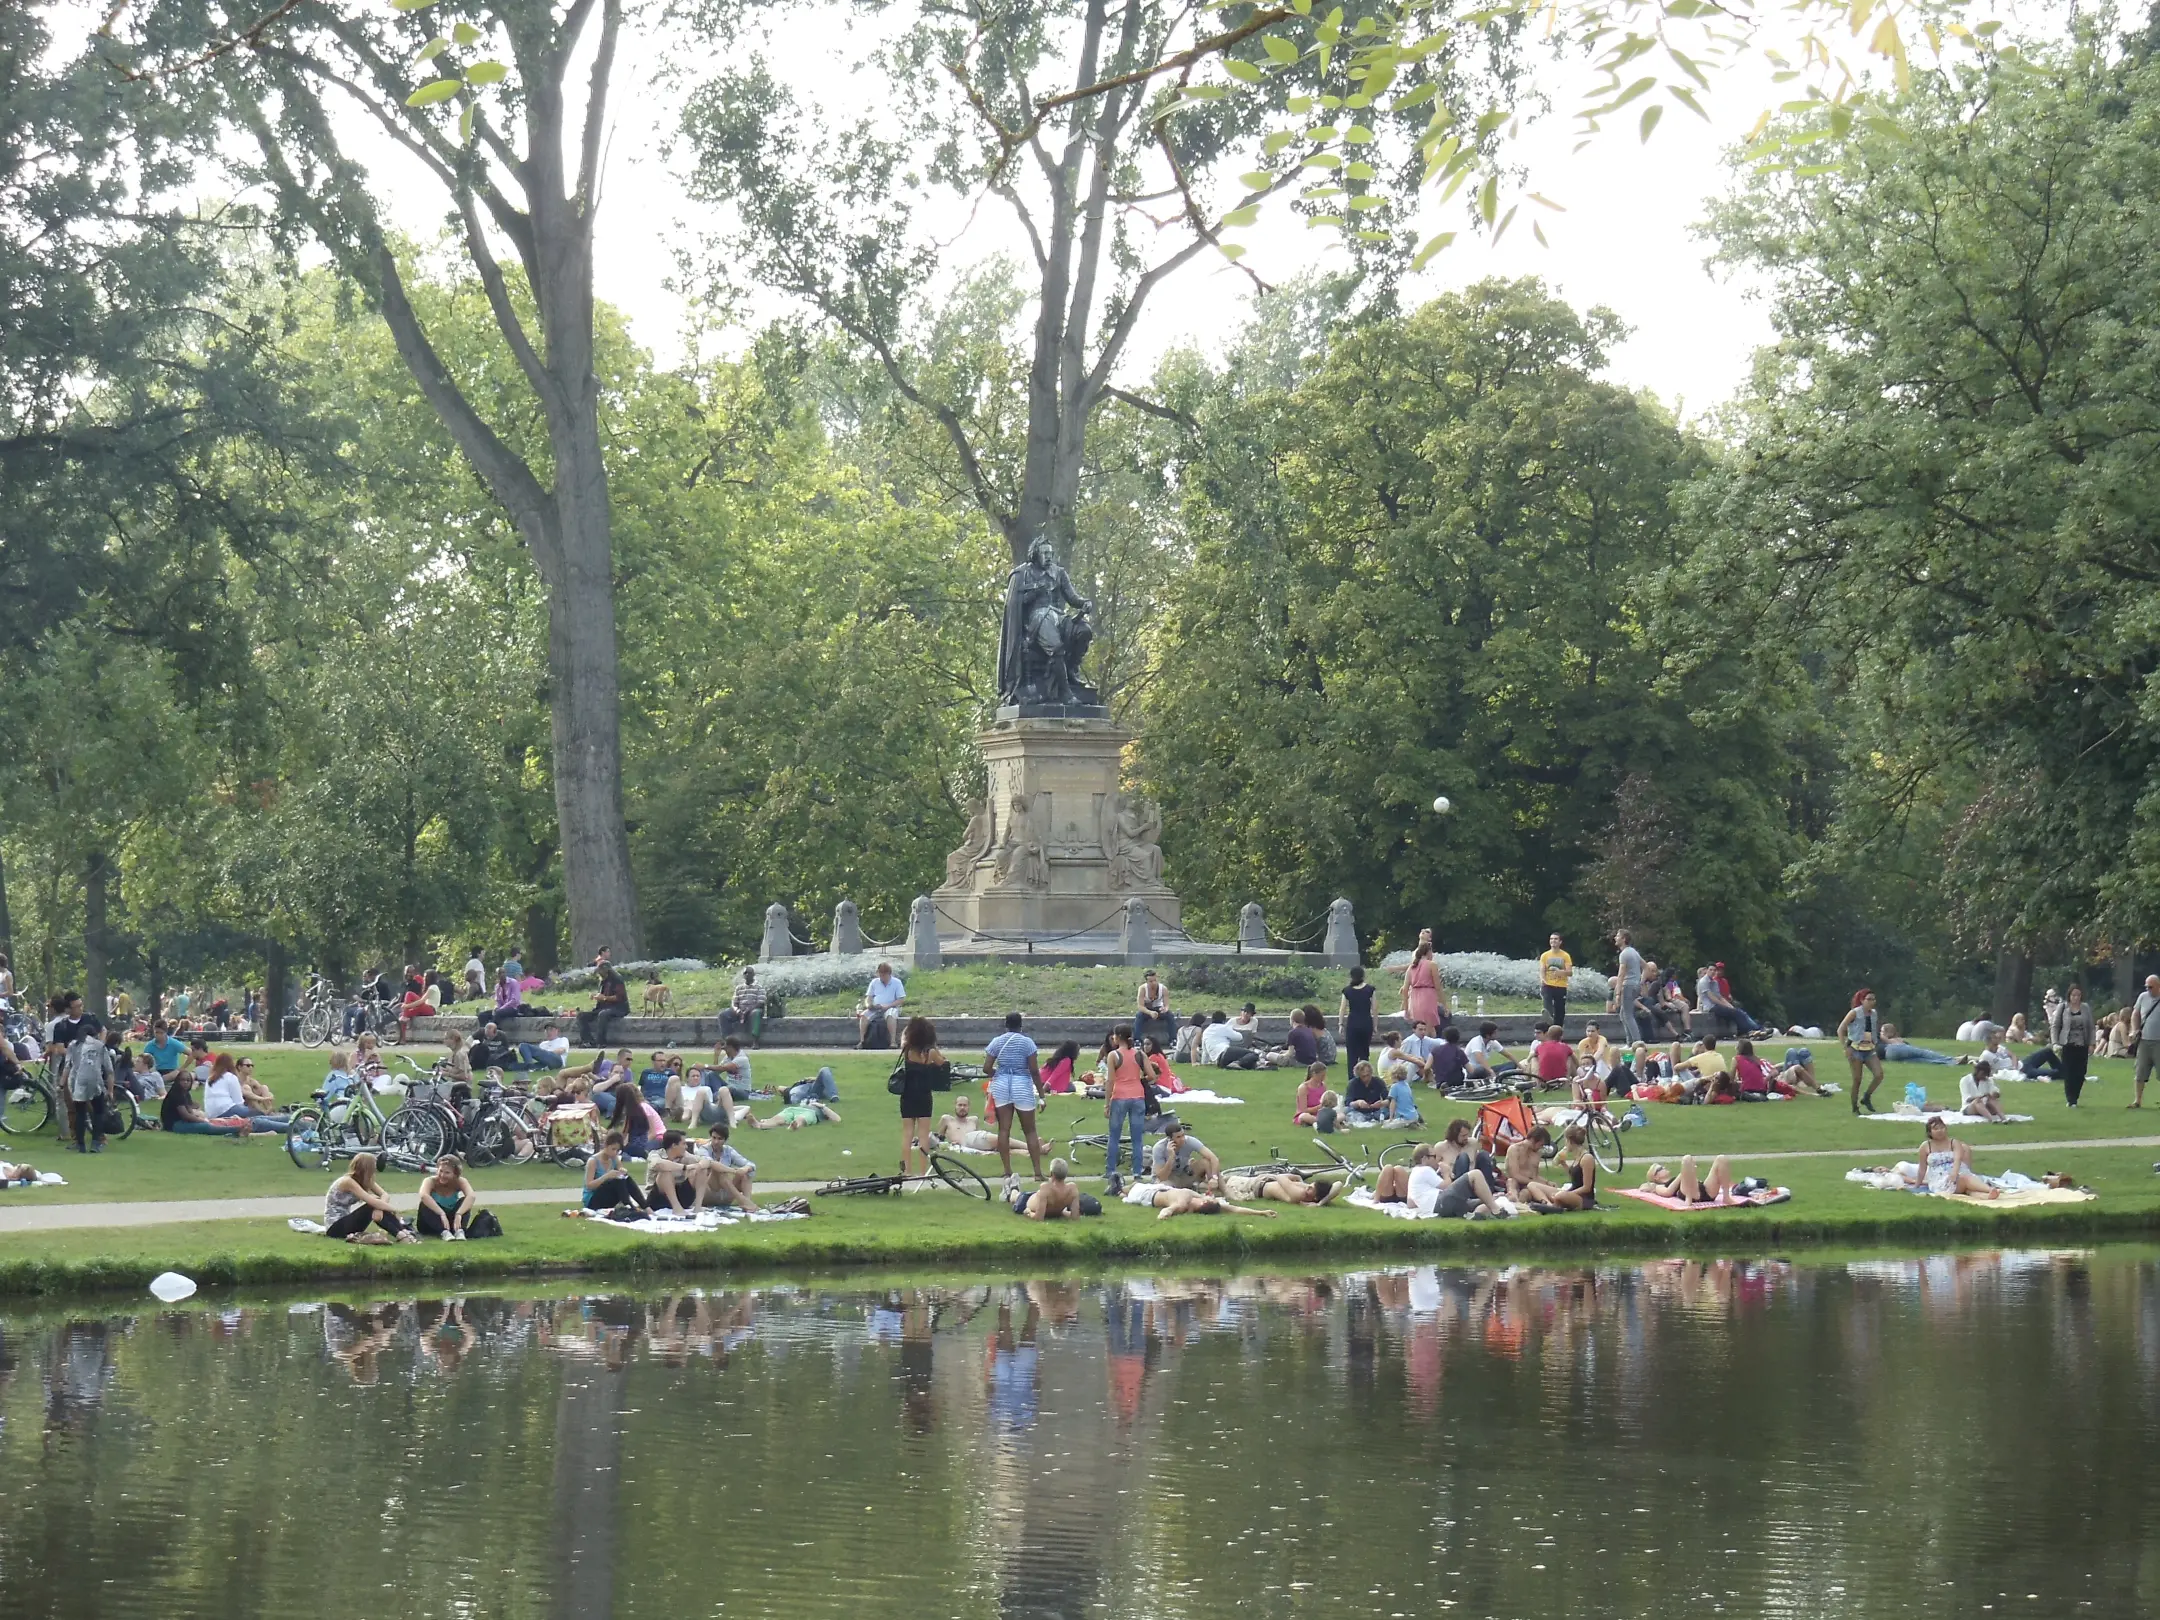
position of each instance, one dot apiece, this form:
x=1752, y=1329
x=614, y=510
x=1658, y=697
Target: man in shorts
x=959, y=1129
x=1277, y=1186
x=1169, y=1201
x=1014, y=1079
x=1182, y=1159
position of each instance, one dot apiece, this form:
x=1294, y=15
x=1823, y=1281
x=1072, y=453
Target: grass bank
x=940, y=1229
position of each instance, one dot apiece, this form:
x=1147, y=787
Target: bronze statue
x=1040, y=649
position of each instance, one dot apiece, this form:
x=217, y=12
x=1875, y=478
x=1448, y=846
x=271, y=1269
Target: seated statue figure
x=1042, y=643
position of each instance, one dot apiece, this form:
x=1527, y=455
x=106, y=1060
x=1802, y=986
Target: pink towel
x=1776, y=1195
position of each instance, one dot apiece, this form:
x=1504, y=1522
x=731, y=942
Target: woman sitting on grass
x=1306, y=1109
x=607, y=1183
x=1946, y=1165
x=1978, y=1094
x=356, y=1201
x=179, y=1114
x=446, y=1201
x=1159, y=1068
x=1057, y=1074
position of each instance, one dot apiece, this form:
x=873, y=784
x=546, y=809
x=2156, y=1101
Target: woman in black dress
x=923, y=1070
x=1357, y=1023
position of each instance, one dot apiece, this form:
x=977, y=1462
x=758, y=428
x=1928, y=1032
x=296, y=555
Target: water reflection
x=1692, y=1436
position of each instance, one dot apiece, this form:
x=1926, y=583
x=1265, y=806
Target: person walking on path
x=1630, y=989
x=1860, y=1031
x=1357, y=1019
x=2070, y=1032
x=2145, y=1020
x=1555, y=969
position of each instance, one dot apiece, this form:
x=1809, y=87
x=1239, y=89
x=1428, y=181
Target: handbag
x=896, y=1082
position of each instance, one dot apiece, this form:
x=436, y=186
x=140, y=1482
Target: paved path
x=29, y=1217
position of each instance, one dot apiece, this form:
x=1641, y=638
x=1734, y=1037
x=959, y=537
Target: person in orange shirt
x=1127, y=1107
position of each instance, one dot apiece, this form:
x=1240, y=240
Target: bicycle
x=944, y=1171
x=1602, y=1133
x=27, y=1107
x=1353, y=1174
x=319, y=1012
x=335, y=1127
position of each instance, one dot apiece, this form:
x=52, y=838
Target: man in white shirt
x=552, y=1053
x=884, y=993
x=475, y=976
x=1419, y=1046
x=1980, y=1094
x=1223, y=1046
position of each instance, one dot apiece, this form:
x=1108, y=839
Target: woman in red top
x=1127, y=1107
x=1754, y=1074
x=1159, y=1069
x=1057, y=1074
x=1309, y=1094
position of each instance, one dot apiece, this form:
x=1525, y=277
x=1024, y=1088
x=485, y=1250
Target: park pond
x=1958, y=1434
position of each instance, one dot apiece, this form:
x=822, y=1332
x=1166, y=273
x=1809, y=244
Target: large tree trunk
x=542, y=937
x=2013, y=985
x=7, y=925
x=584, y=712
x=2125, y=975
x=94, y=872
x=274, y=976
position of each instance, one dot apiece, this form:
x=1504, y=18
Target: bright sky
x=1626, y=241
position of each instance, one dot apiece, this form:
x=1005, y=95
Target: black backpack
x=483, y=1225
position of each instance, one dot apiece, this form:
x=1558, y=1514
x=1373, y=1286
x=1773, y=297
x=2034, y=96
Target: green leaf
x=1240, y=69
x=1278, y=48
x=486, y=73
x=1237, y=218
x=1415, y=98
x=465, y=33
x=1358, y=135
x=1358, y=171
x=1315, y=193
x=1367, y=203
x=1205, y=92
x=1488, y=200
x=1302, y=7
x=1299, y=104
x=465, y=122
x=1322, y=132
x=1231, y=250
x=412, y=5
x=1319, y=220
x=1538, y=230
x=1650, y=116
x=1436, y=244
x=432, y=49
x=433, y=91
x=1686, y=97
x=1277, y=141
x=1256, y=180
x=1323, y=160
x=1500, y=230
x=1373, y=236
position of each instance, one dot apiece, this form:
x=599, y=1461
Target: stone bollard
x=922, y=940
x=846, y=930
x=1139, y=934
x=1252, y=927
x=1340, y=947
x=779, y=941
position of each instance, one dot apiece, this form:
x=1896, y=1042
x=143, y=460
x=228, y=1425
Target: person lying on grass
x=16, y=1175
x=791, y=1117
x=1057, y=1199
x=356, y=1202
x=1430, y=1188
x=1689, y=1185
x=1169, y=1201
x=1274, y=1186
x=960, y=1129
x=1978, y=1094
x=1946, y=1165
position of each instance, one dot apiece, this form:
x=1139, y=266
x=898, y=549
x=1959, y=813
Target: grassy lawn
x=938, y=1227
x=992, y=989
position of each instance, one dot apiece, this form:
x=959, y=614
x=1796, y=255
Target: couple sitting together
x=1455, y=1178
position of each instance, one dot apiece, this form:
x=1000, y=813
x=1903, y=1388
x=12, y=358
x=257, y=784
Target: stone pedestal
x=1055, y=847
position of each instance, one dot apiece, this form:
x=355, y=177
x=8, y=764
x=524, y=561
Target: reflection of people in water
x=354, y=1337
x=918, y=1364
x=1125, y=1315
x=1012, y=1370
x=445, y=1334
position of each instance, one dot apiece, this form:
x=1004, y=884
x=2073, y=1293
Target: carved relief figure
x=974, y=845
x=1131, y=830
x=1021, y=863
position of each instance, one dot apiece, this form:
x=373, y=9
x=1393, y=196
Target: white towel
x=1203, y=1098
x=1951, y=1116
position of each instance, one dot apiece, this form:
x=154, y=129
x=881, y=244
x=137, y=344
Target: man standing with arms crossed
x=1630, y=986
x=1555, y=969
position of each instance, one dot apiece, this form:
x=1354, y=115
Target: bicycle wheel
x=490, y=1139
x=130, y=1117
x=307, y=1141
x=569, y=1141
x=28, y=1108
x=959, y=1177
x=315, y=1026
x=1604, y=1144
x=413, y=1138
x=1398, y=1153
x=387, y=1028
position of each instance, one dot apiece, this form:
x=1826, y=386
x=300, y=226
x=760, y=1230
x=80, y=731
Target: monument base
x=1055, y=848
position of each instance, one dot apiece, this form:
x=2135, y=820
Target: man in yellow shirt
x=1555, y=968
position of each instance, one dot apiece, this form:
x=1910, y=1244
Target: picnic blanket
x=1950, y=1116
x=1363, y=1199
x=1204, y=1097
x=669, y=1224
x=2023, y=1197
x=1776, y=1195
